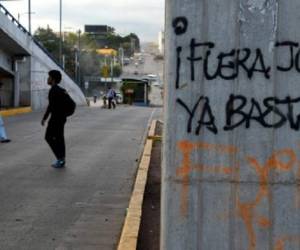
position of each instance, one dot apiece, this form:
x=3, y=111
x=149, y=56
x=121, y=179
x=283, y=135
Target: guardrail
x=24, y=30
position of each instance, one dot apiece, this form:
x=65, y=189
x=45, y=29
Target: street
x=150, y=66
x=83, y=205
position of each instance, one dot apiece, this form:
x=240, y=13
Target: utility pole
x=76, y=64
x=29, y=16
x=112, y=69
x=60, y=32
x=79, y=56
x=121, y=56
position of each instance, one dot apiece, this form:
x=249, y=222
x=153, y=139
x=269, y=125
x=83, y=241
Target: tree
x=133, y=39
x=89, y=60
x=49, y=40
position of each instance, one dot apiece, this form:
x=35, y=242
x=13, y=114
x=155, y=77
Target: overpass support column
x=231, y=149
x=16, y=84
x=17, y=88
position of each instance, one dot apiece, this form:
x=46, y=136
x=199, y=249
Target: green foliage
x=49, y=40
x=130, y=43
x=117, y=70
x=90, y=61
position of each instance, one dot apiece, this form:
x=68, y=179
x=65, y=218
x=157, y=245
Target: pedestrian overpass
x=24, y=65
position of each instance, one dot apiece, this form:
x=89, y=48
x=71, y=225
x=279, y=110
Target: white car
x=152, y=76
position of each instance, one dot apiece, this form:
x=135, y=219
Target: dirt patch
x=149, y=235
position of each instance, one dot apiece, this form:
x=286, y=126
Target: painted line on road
x=130, y=232
x=15, y=111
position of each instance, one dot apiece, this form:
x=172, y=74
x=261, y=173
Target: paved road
x=79, y=207
x=150, y=66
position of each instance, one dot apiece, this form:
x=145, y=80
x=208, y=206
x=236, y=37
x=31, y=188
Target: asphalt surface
x=82, y=206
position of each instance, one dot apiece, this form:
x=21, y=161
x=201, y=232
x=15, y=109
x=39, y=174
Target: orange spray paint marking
x=282, y=160
x=246, y=210
x=186, y=148
x=264, y=222
x=184, y=171
x=280, y=243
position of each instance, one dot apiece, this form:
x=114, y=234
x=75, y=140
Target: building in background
x=99, y=33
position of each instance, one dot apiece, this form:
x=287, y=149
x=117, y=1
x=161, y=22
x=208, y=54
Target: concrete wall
x=6, y=61
x=25, y=83
x=231, y=147
x=6, y=92
x=40, y=65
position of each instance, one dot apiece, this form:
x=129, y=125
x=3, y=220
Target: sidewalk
x=99, y=103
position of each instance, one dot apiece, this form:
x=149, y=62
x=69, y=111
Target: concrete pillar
x=16, y=84
x=231, y=142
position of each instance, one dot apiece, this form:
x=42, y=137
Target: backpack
x=68, y=104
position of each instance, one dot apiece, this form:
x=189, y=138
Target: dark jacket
x=56, y=103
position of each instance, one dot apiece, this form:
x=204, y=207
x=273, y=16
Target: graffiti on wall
x=281, y=161
x=240, y=111
x=228, y=65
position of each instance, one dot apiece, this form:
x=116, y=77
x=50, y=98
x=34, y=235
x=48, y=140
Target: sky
x=143, y=17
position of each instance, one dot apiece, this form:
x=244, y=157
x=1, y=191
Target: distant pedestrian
x=111, y=95
x=95, y=96
x=3, y=136
x=59, y=108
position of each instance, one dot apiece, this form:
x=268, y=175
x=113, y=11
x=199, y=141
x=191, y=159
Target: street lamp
x=29, y=16
x=78, y=58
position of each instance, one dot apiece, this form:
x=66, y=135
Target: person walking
x=111, y=94
x=3, y=136
x=55, y=129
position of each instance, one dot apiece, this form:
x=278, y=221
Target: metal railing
x=24, y=30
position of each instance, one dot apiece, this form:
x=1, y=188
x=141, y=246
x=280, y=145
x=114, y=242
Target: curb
x=130, y=231
x=15, y=111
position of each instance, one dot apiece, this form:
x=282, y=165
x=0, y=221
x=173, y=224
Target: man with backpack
x=60, y=106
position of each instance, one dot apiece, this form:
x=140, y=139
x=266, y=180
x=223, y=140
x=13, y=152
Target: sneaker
x=59, y=164
x=5, y=141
